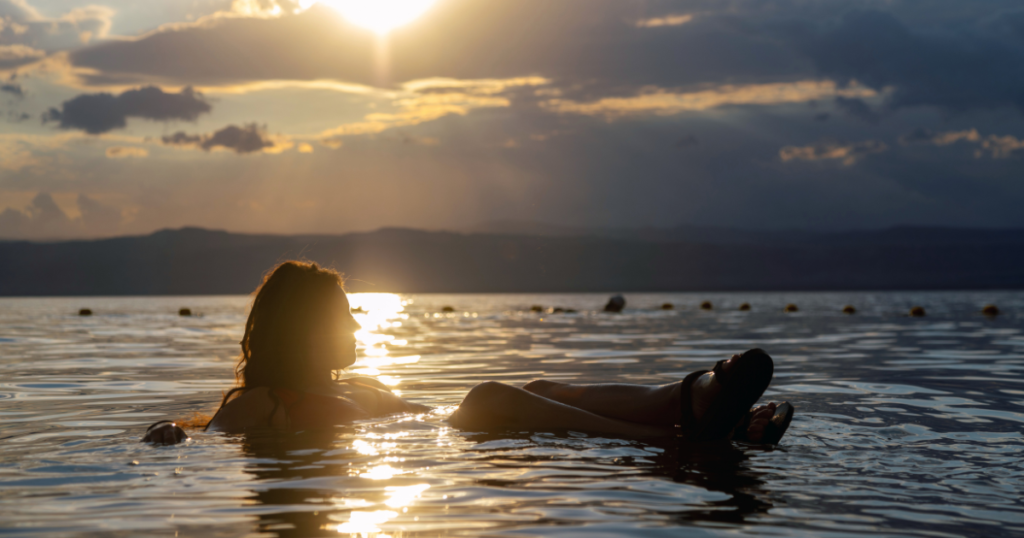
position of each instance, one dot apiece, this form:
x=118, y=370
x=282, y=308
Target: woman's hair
x=294, y=301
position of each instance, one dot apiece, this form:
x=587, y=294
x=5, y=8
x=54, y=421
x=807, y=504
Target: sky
x=294, y=116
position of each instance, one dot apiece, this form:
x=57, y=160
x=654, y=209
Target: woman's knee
x=485, y=392
x=540, y=386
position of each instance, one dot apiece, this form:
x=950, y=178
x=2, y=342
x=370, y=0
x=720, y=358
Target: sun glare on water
x=381, y=16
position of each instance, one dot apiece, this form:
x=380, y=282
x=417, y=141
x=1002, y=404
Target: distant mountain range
x=524, y=257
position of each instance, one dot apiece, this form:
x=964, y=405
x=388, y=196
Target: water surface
x=905, y=426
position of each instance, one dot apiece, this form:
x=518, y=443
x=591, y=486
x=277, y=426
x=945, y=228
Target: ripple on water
x=905, y=427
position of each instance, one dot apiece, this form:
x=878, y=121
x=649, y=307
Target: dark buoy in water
x=557, y=310
x=185, y=312
x=615, y=304
x=85, y=312
x=536, y=308
x=706, y=305
x=447, y=309
x=668, y=306
x=849, y=309
x=990, y=310
x=745, y=307
x=791, y=308
x=917, y=312
x=570, y=311
x=358, y=310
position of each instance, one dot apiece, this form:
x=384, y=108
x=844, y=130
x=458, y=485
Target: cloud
x=13, y=88
x=662, y=102
x=667, y=20
x=249, y=138
x=431, y=99
x=122, y=152
x=847, y=153
x=461, y=39
x=952, y=70
x=927, y=136
x=1001, y=147
x=26, y=34
x=857, y=108
x=102, y=112
x=44, y=219
x=18, y=55
x=687, y=141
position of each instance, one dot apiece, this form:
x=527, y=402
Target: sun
x=381, y=16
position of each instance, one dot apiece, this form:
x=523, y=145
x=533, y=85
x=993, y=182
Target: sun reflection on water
x=377, y=312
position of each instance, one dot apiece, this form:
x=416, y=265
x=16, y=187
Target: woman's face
x=337, y=339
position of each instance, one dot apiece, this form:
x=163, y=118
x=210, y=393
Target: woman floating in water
x=300, y=332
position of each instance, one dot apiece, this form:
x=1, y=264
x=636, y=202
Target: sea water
x=904, y=426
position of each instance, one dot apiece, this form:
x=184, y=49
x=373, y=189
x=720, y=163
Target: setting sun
x=381, y=16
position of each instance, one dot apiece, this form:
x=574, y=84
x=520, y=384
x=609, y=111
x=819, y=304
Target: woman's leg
x=492, y=405
x=655, y=405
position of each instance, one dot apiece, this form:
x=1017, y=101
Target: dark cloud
x=571, y=40
x=919, y=135
x=857, y=108
x=248, y=138
x=687, y=141
x=101, y=112
x=595, y=48
x=951, y=70
x=13, y=88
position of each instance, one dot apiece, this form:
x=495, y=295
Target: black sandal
x=748, y=378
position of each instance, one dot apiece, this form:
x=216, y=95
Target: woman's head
x=299, y=330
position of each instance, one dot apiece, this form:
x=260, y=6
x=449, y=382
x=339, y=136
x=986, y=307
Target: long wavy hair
x=294, y=301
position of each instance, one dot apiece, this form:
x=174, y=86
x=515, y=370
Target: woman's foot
x=715, y=402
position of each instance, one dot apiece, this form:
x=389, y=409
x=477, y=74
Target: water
x=904, y=426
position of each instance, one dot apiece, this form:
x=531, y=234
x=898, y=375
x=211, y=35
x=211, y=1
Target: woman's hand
x=166, y=433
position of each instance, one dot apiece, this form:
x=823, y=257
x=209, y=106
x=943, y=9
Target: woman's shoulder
x=362, y=381
x=249, y=409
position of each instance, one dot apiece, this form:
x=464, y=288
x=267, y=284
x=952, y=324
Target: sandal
x=773, y=431
x=747, y=379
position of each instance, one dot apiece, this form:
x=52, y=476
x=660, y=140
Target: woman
x=300, y=332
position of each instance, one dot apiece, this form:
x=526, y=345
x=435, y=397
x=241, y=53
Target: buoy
x=185, y=312
x=570, y=311
x=668, y=306
x=536, y=308
x=557, y=310
x=917, y=312
x=615, y=304
x=706, y=305
x=791, y=308
x=849, y=309
x=358, y=310
x=447, y=309
x=745, y=307
x=85, y=312
x=990, y=310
